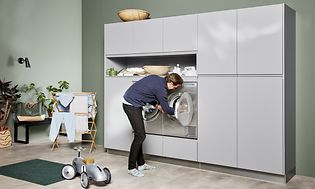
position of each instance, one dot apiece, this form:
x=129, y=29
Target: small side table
x=27, y=125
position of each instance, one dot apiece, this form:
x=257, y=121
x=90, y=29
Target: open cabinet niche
x=166, y=60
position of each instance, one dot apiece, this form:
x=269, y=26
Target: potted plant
x=46, y=100
x=32, y=102
x=8, y=97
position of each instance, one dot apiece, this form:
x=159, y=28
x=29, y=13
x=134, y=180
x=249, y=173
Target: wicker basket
x=5, y=138
x=133, y=14
x=157, y=70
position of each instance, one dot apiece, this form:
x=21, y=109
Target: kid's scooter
x=88, y=170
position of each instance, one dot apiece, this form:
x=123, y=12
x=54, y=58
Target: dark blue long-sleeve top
x=147, y=90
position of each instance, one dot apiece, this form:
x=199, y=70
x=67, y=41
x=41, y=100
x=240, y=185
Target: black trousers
x=136, y=120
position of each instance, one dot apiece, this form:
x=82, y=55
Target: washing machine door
x=184, y=109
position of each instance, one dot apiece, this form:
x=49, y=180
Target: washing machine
x=184, y=123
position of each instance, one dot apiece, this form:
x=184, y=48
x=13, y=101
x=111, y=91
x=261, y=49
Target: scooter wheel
x=68, y=172
x=108, y=175
x=84, y=180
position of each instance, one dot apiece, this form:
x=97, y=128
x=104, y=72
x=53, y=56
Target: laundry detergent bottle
x=177, y=70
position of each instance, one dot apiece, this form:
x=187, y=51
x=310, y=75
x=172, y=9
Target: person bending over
x=150, y=89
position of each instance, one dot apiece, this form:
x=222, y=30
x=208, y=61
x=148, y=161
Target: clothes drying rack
x=92, y=111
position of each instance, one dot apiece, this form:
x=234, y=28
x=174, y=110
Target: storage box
x=30, y=111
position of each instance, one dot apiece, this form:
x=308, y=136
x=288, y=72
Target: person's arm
x=162, y=98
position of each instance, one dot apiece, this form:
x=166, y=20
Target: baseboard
x=290, y=174
x=217, y=168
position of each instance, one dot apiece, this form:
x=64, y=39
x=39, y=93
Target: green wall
x=96, y=13
x=49, y=33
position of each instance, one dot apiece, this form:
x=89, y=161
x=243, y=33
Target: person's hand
x=159, y=107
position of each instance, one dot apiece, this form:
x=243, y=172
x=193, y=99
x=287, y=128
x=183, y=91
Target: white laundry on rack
x=92, y=106
x=79, y=107
x=69, y=121
x=79, y=104
x=65, y=99
x=81, y=125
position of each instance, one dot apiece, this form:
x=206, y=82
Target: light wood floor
x=166, y=176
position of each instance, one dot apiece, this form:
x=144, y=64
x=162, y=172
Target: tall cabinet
x=263, y=62
x=216, y=64
x=246, y=67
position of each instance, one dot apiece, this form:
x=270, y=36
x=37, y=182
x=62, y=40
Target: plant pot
x=5, y=138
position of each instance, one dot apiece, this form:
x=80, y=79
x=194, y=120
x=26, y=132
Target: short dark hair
x=174, y=78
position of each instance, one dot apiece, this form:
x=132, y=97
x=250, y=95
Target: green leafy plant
x=62, y=85
x=8, y=96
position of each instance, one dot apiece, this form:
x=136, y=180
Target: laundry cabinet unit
x=247, y=89
x=245, y=61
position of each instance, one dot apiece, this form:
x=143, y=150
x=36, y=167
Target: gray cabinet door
x=117, y=129
x=217, y=43
x=134, y=37
x=148, y=35
x=180, y=33
x=260, y=124
x=118, y=38
x=260, y=40
x=180, y=148
x=153, y=145
x=217, y=132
